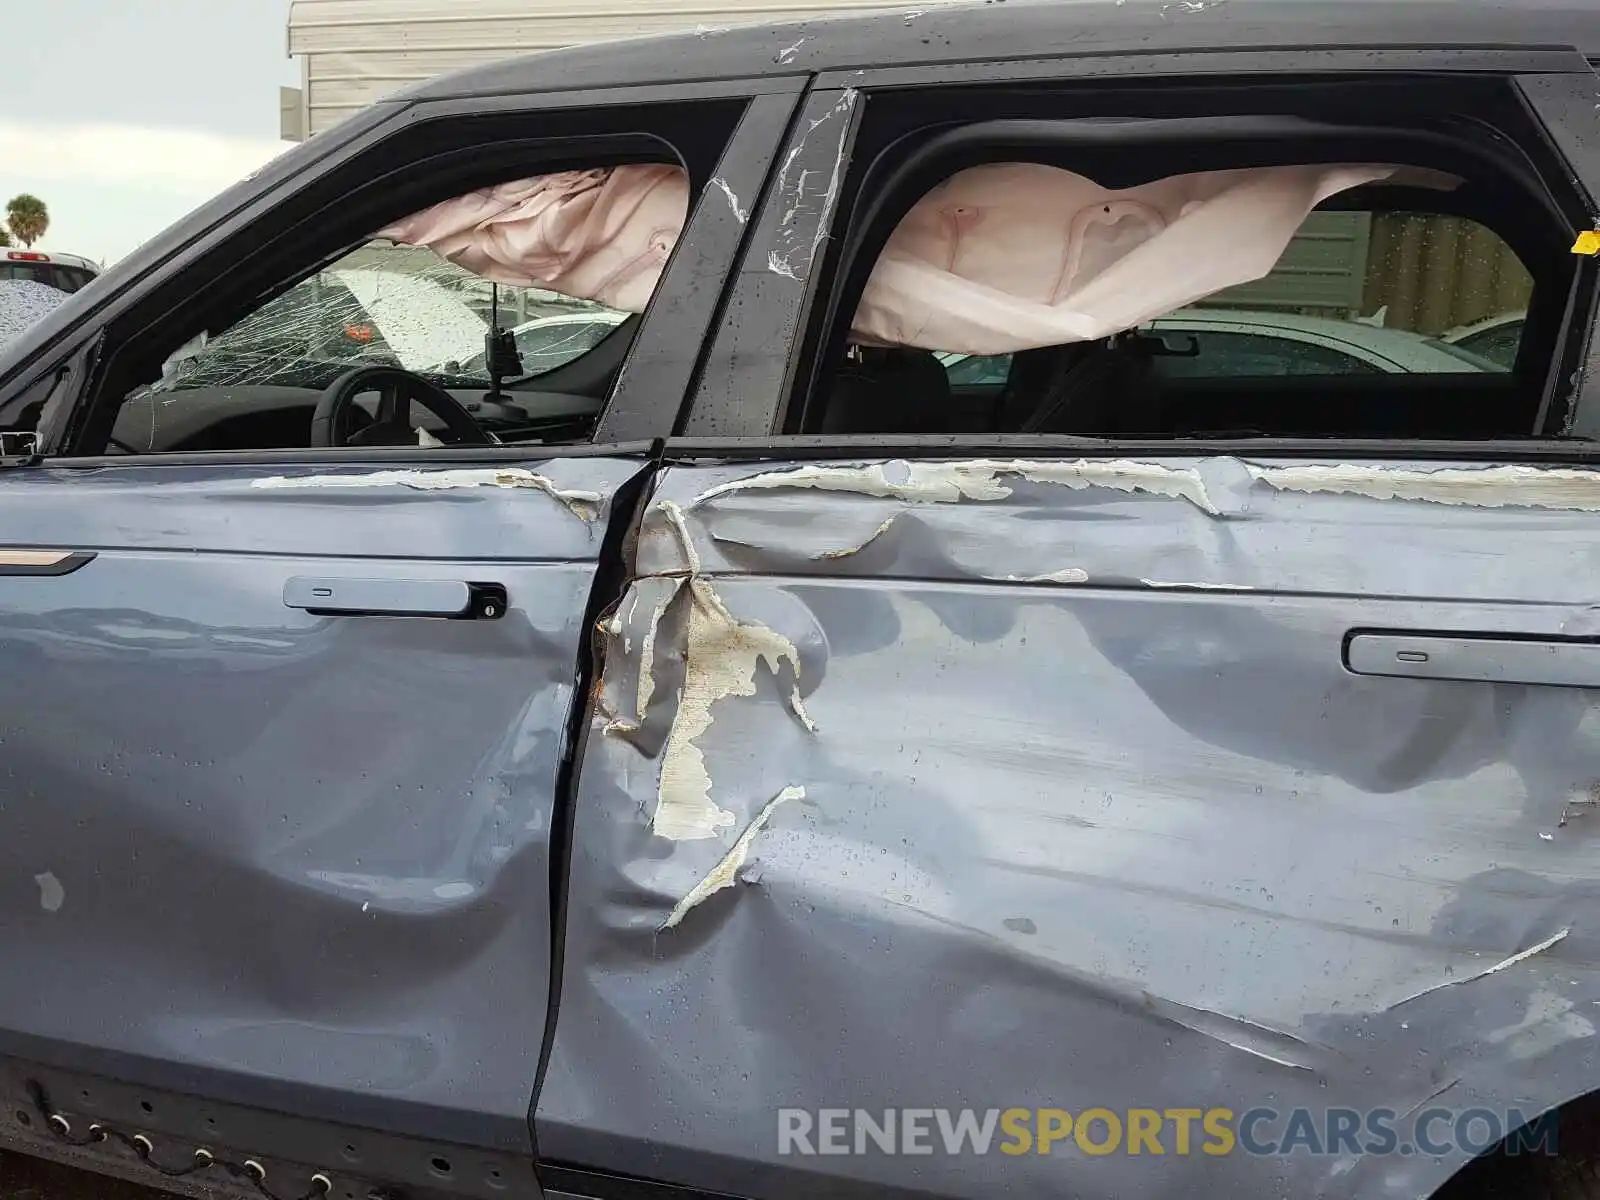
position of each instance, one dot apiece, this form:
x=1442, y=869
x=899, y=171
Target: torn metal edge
x=877, y=533
x=1520, y=957
x=722, y=875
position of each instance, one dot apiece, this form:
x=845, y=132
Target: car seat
x=888, y=391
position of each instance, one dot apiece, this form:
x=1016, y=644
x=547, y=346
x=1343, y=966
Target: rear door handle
x=396, y=598
x=1474, y=659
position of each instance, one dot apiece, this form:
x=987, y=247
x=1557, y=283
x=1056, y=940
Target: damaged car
x=705, y=738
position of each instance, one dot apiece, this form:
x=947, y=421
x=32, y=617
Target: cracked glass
x=388, y=305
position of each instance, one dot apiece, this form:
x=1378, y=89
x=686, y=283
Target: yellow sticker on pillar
x=1588, y=243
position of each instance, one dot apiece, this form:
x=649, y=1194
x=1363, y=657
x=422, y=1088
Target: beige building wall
x=354, y=52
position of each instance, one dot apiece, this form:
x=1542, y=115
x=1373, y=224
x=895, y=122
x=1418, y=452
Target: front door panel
x=998, y=785
x=278, y=854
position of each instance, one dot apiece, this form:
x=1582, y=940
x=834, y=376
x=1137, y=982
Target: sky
x=126, y=116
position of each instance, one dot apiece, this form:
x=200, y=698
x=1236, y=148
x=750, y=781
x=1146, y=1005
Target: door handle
x=396, y=598
x=1475, y=659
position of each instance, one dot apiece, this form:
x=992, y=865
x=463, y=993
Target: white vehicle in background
x=1225, y=343
x=1496, y=339
x=64, y=272
x=548, y=342
x=1265, y=343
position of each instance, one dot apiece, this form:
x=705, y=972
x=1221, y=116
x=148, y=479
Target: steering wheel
x=396, y=390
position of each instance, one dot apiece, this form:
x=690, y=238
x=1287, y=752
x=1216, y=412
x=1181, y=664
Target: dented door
x=1045, y=785
x=279, y=752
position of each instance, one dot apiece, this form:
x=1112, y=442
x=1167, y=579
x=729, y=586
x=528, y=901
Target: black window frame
x=741, y=405
x=393, y=160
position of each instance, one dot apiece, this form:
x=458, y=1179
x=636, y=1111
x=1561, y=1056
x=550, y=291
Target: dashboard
x=273, y=417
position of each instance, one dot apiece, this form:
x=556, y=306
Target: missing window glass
x=1392, y=291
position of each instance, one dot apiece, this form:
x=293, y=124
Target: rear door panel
x=1093, y=816
x=283, y=859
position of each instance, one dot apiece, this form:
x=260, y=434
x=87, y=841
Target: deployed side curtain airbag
x=1016, y=256
x=601, y=235
x=997, y=259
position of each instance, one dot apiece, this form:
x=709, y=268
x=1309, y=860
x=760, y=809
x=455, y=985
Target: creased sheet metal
x=1093, y=817
x=290, y=861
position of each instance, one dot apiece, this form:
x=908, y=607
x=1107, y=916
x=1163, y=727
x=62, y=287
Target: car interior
x=559, y=405
x=1432, y=263
x=1438, y=266
x=1463, y=233
x=413, y=336
x=1158, y=382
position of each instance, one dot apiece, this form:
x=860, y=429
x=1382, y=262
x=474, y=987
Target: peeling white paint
x=1479, y=487
x=51, y=894
x=932, y=483
x=786, y=55
x=846, y=101
x=585, y=505
x=647, y=651
x=779, y=266
x=721, y=656
x=742, y=215
x=680, y=526
x=1520, y=957
x=781, y=261
x=793, y=210
x=1065, y=575
x=979, y=479
x=723, y=875
x=848, y=551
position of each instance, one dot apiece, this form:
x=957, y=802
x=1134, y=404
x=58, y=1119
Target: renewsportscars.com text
x=1149, y=1131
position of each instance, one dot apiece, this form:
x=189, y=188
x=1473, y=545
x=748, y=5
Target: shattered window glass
x=23, y=302
x=388, y=305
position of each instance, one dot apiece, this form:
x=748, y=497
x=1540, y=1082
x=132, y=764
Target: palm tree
x=27, y=218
